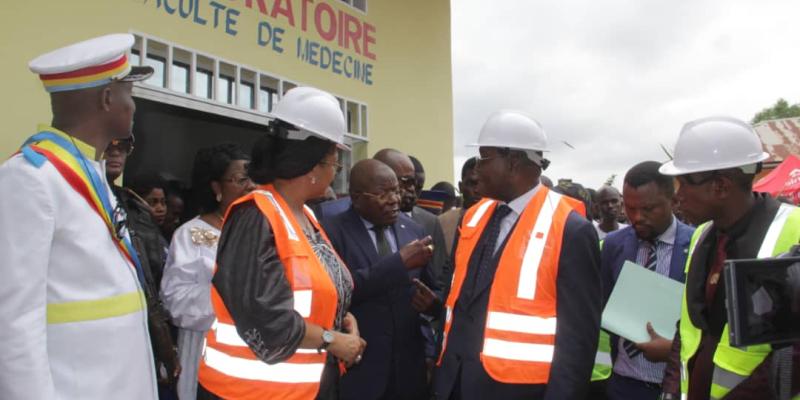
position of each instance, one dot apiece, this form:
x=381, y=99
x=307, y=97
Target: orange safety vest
x=520, y=330
x=228, y=368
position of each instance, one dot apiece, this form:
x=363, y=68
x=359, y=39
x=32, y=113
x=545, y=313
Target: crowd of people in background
x=258, y=281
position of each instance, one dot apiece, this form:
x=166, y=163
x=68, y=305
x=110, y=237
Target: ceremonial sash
x=72, y=166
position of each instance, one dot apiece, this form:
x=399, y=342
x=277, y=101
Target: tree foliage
x=781, y=109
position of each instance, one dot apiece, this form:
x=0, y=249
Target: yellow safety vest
x=733, y=365
x=602, y=359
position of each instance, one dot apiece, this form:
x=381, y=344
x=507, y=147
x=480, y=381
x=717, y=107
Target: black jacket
x=745, y=238
x=578, y=304
x=151, y=248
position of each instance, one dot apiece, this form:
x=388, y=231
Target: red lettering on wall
x=368, y=39
x=304, y=22
x=287, y=12
x=346, y=30
x=340, y=39
x=352, y=28
x=330, y=33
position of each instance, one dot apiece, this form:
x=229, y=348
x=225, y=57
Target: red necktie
x=716, y=268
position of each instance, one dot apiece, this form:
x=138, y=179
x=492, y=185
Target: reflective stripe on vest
x=528, y=274
x=602, y=359
x=733, y=365
x=90, y=310
x=521, y=316
x=519, y=351
x=521, y=323
x=257, y=370
x=229, y=368
x=228, y=335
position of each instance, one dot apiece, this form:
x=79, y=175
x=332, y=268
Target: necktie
x=652, y=255
x=491, y=233
x=651, y=262
x=380, y=241
x=713, y=273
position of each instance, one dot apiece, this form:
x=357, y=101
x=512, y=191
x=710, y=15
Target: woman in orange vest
x=280, y=292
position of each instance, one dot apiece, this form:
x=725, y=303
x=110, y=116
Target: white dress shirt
x=517, y=207
x=55, y=250
x=186, y=291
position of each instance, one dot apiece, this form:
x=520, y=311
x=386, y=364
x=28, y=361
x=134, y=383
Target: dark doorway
x=167, y=138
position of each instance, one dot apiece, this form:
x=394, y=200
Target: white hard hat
x=313, y=112
x=512, y=129
x=715, y=143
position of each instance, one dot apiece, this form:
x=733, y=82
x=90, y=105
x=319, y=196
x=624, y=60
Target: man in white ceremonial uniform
x=72, y=300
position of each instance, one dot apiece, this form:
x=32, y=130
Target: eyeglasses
x=334, y=164
x=407, y=180
x=385, y=196
x=241, y=181
x=123, y=146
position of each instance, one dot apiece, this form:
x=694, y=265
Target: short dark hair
x=446, y=187
x=646, y=172
x=144, y=184
x=276, y=157
x=577, y=192
x=469, y=165
x=418, y=168
x=210, y=164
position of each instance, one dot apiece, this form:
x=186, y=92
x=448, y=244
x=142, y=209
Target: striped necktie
x=652, y=254
x=651, y=263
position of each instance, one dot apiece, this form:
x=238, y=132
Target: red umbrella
x=784, y=180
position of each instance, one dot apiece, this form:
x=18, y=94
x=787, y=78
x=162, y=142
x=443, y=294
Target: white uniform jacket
x=74, y=312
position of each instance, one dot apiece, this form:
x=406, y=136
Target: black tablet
x=763, y=300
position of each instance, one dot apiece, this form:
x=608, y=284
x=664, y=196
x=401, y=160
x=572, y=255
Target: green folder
x=642, y=296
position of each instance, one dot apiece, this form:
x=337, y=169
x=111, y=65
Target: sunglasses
x=698, y=178
x=123, y=146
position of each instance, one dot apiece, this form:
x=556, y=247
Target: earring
x=313, y=180
x=219, y=197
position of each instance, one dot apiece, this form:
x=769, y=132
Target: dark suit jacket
x=331, y=208
x=577, y=306
x=382, y=306
x=622, y=245
x=441, y=269
x=430, y=223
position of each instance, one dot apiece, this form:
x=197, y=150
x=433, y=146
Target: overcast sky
x=616, y=78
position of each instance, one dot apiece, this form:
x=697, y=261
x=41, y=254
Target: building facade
x=221, y=65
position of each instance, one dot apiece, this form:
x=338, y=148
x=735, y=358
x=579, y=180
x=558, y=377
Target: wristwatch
x=327, y=339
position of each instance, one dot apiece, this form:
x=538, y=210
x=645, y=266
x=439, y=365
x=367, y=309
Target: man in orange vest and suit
x=523, y=312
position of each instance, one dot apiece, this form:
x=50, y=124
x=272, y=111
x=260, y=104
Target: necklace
x=214, y=219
